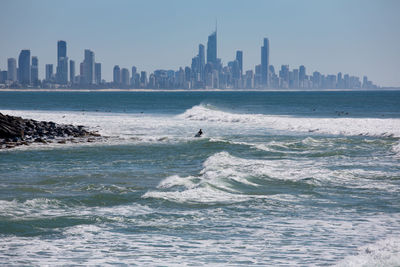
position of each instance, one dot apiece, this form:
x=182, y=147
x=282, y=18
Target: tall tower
x=35, y=71
x=62, y=63
x=97, y=73
x=12, y=69
x=24, y=67
x=61, y=49
x=265, y=63
x=201, y=61
x=49, y=72
x=72, y=71
x=212, y=48
x=88, y=67
x=239, y=58
x=116, y=75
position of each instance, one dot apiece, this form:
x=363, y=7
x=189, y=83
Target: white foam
x=335, y=126
x=396, y=149
x=226, y=178
x=383, y=253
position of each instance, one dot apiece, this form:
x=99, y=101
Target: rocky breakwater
x=16, y=131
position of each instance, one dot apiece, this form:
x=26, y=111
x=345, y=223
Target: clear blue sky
x=359, y=37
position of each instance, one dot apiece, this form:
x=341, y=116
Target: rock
x=40, y=140
x=16, y=131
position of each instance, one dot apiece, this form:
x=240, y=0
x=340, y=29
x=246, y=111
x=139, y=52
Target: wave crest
x=335, y=126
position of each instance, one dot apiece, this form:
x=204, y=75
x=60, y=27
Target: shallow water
x=279, y=178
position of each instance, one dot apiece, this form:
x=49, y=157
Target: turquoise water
x=279, y=178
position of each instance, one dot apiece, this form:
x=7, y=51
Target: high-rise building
x=88, y=67
x=239, y=58
x=201, y=62
x=134, y=70
x=35, y=71
x=12, y=69
x=97, y=73
x=125, y=77
x=143, y=79
x=61, y=49
x=49, y=72
x=24, y=67
x=265, y=63
x=62, y=63
x=302, y=76
x=72, y=71
x=212, y=48
x=3, y=76
x=116, y=75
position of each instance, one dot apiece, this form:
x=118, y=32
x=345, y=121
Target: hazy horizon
x=355, y=37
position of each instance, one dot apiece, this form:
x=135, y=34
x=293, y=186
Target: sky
x=359, y=37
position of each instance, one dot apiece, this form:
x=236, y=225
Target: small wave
x=334, y=126
x=396, y=149
x=383, y=253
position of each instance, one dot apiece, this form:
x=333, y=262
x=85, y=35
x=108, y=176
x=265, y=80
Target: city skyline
x=359, y=48
x=210, y=74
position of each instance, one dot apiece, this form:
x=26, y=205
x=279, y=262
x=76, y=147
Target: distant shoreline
x=198, y=90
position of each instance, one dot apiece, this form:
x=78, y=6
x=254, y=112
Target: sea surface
x=278, y=179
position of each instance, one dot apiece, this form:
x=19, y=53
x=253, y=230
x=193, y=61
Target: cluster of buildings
x=205, y=72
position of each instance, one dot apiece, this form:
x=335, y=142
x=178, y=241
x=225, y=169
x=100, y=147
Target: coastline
x=196, y=90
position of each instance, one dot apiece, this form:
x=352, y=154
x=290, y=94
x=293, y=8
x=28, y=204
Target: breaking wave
x=334, y=126
x=382, y=253
x=229, y=179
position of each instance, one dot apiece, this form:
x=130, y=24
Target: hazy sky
x=359, y=37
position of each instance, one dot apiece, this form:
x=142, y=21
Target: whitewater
x=278, y=179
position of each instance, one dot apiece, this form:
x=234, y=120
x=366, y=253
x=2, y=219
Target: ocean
x=277, y=179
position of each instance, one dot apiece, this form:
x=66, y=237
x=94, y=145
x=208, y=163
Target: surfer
x=199, y=133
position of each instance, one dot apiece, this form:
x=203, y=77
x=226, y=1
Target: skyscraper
x=97, y=73
x=61, y=49
x=24, y=67
x=88, y=67
x=116, y=75
x=62, y=63
x=12, y=69
x=35, y=71
x=239, y=58
x=302, y=76
x=125, y=77
x=49, y=72
x=72, y=71
x=201, y=61
x=265, y=63
x=212, y=48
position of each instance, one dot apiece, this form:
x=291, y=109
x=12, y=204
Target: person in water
x=199, y=133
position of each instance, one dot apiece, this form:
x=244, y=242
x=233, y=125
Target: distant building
x=302, y=76
x=97, y=73
x=125, y=77
x=62, y=63
x=12, y=69
x=143, y=79
x=88, y=67
x=35, y=71
x=239, y=58
x=212, y=48
x=24, y=67
x=117, y=75
x=265, y=63
x=49, y=72
x=3, y=76
x=201, y=63
x=72, y=71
